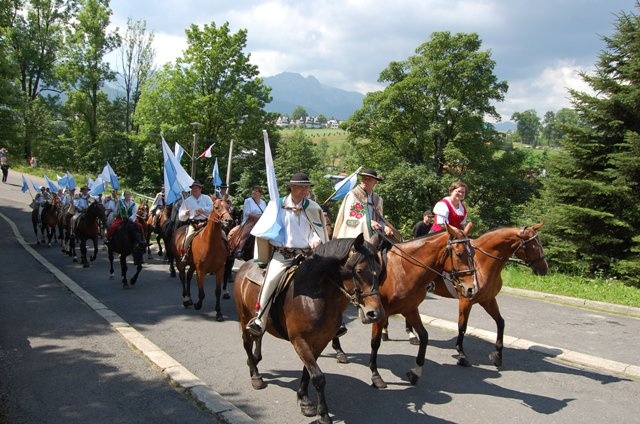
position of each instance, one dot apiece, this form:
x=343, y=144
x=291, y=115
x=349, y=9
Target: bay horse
x=87, y=227
x=48, y=221
x=493, y=250
x=309, y=310
x=156, y=227
x=410, y=267
x=142, y=217
x=208, y=254
x=241, y=244
x=127, y=240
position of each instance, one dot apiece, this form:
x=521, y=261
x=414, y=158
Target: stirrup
x=254, y=328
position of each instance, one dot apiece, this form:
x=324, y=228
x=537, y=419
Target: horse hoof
x=258, y=383
x=133, y=282
x=111, y=277
x=341, y=357
x=463, y=362
x=187, y=303
x=219, y=317
x=75, y=259
x=414, y=341
x=85, y=265
x=413, y=378
x=172, y=274
x=225, y=295
x=378, y=382
x=496, y=359
x=308, y=410
x=385, y=337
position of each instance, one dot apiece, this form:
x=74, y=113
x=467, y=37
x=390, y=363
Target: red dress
x=454, y=219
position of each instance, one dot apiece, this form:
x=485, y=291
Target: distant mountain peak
x=290, y=89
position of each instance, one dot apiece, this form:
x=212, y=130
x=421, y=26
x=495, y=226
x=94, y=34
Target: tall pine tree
x=591, y=200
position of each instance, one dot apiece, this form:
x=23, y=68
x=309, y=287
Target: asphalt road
x=114, y=355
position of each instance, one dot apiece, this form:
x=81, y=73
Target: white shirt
x=203, y=202
x=441, y=212
x=299, y=233
x=250, y=206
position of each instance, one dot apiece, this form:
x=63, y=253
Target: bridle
x=356, y=298
x=452, y=277
x=521, y=245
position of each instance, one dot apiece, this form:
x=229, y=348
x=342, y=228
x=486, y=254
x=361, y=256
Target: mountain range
x=289, y=90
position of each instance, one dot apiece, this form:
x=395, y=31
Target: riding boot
x=274, y=273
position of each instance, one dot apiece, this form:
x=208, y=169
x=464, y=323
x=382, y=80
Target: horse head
x=362, y=269
x=460, y=268
x=220, y=213
x=96, y=210
x=530, y=250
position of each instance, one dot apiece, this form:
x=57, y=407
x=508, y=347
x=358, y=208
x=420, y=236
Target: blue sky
x=538, y=46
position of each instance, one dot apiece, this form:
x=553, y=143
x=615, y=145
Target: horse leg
x=307, y=407
x=318, y=380
x=35, y=231
x=95, y=248
x=83, y=253
x=134, y=279
x=219, y=280
x=110, y=254
x=228, y=271
x=200, y=280
x=493, y=310
x=376, y=340
x=186, y=286
x=413, y=319
x=253, y=358
x=341, y=357
x=464, y=309
x=123, y=271
x=158, y=240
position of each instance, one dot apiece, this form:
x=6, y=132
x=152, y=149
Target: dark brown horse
x=410, y=267
x=87, y=227
x=492, y=252
x=127, y=240
x=208, y=254
x=309, y=310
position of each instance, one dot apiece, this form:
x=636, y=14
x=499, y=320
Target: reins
x=356, y=297
x=453, y=276
x=521, y=245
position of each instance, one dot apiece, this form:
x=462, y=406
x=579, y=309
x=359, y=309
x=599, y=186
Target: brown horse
x=87, y=227
x=142, y=218
x=208, y=254
x=493, y=251
x=156, y=226
x=309, y=310
x=241, y=244
x=48, y=221
x=410, y=267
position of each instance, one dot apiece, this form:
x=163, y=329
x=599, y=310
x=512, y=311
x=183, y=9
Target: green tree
x=84, y=73
x=591, y=198
x=298, y=112
x=435, y=98
x=35, y=34
x=296, y=153
x=528, y=126
x=214, y=84
x=137, y=56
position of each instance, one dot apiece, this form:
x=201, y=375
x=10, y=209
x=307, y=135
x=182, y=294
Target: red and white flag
x=206, y=153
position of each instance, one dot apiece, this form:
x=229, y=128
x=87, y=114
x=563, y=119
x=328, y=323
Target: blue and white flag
x=71, y=182
x=346, y=185
x=269, y=226
x=217, y=181
x=97, y=187
x=178, y=151
x=62, y=181
x=25, y=186
x=176, y=179
x=109, y=176
x=35, y=187
x=90, y=183
x=50, y=184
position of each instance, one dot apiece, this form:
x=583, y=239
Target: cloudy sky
x=538, y=46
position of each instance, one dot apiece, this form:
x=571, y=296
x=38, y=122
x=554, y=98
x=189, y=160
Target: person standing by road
x=423, y=227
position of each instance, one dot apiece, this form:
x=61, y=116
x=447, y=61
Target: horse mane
x=337, y=248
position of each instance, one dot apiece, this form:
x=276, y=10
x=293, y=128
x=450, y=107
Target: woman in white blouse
x=253, y=205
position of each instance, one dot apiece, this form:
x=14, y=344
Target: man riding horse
x=125, y=210
x=80, y=205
